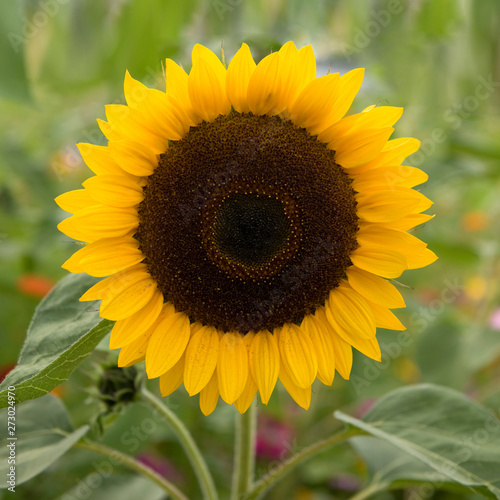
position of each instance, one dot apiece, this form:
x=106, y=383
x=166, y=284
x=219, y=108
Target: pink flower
x=495, y=319
x=274, y=439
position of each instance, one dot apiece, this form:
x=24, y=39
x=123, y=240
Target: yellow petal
x=110, y=132
x=73, y=263
x=378, y=117
x=323, y=345
x=115, y=190
x=349, y=85
x=129, y=329
x=423, y=258
x=374, y=288
x=134, y=157
x=342, y=349
x=298, y=356
x=393, y=153
x=158, y=111
x=129, y=256
x=134, y=352
x=110, y=255
x=232, y=366
x=368, y=346
x=171, y=380
x=69, y=228
x=209, y=395
x=359, y=146
x=388, y=177
x=414, y=250
x=380, y=261
x=238, y=75
x=168, y=117
x=307, y=65
x=295, y=70
x=207, y=85
x=177, y=88
x=301, y=395
x=76, y=200
x=98, y=221
x=109, y=287
x=424, y=202
x=128, y=124
x=99, y=159
x=290, y=77
x=384, y=318
x=247, y=396
x=168, y=343
x=136, y=93
x=99, y=290
x=201, y=359
x=201, y=52
x=264, y=363
x=264, y=87
x=250, y=391
x=308, y=111
x=409, y=222
x=176, y=82
x=351, y=311
x=131, y=299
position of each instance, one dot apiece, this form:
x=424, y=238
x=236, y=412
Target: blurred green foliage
x=61, y=61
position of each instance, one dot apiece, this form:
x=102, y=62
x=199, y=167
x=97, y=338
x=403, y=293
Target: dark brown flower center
x=251, y=233
x=247, y=223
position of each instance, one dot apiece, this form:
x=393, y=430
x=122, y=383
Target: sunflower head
x=118, y=386
x=246, y=228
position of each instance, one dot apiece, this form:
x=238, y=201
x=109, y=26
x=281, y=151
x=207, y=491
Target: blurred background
x=61, y=61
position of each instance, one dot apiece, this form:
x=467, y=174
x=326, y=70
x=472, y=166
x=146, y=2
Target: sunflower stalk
x=135, y=465
x=367, y=492
x=244, y=452
x=192, y=451
x=270, y=479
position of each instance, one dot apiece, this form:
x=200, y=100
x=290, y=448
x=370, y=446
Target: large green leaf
x=62, y=333
x=391, y=468
x=453, y=435
x=43, y=433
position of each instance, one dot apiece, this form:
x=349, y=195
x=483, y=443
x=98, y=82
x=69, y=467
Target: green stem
x=366, y=492
x=285, y=467
x=192, y=451
x=244, y=452
x=132, y=463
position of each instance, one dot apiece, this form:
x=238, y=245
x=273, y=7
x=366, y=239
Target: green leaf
x=44, y=433
x=13, y=38
x=443, y=429
x=389, y=467
x=108, y=487
x=62, y=333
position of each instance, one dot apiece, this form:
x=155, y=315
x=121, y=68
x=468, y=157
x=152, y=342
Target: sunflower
x=246, y=229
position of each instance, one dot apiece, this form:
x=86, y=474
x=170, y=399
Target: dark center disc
x=250, y=229
x=247, y=223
